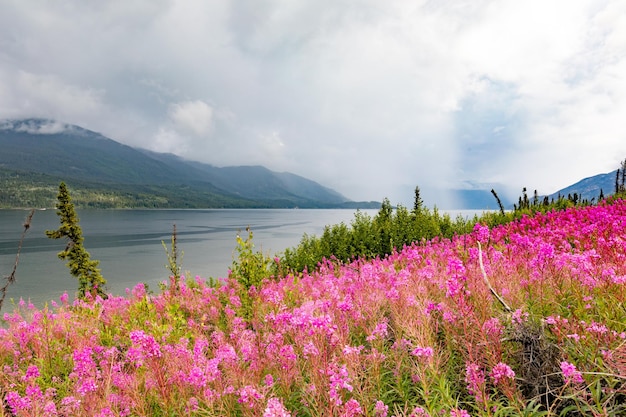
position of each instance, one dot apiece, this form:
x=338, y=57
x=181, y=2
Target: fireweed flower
x=493, y=327
x=419, y=412
x=422, y=352
x=17, y=403
x=31, y=373
x=339, y=380
x=459, y=412
x=352, y=408
x=248, y=395
x=501, y=371
x=148, y=346
x=380, y=409
x=85, y=371
x=570, y=373
x=481, y=232
x=475, y=379
x=380, y=331
x=519, y=316
x=275, y=408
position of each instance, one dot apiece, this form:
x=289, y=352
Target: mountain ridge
x=53, y=151
x=590, y=187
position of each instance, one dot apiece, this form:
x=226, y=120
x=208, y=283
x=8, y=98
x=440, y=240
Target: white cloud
x=47, y=127
x=195, y=117
x=168, y=141
x=43, y=95
x=370, y=98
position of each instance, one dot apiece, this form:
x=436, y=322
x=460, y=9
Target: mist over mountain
x=38, y=153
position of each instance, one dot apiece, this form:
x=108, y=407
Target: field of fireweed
x=427, y=331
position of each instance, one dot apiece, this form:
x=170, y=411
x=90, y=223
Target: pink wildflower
x=192, y=405
x=453, y=287
x=493, y=327
x=64, y=298
x=380, y=331
x=519, y=316
x=275, y=408
x=139, y=291
x=70, y=405
x=50, y=409
x=430, y=307
x=475, y=379
x=459, y=412
x=106, y=412
x=196, y=377
x=338, y=380
x=147, y=344
x=570, y=373
x=248, y=395
x=500, y=372
x=31, y=373
x=309, y=349
x=352, y=408
x=574, y=336
x=597, y=328
x=419, y=412
x=380, y=409
x=482, y=232
x=422, y=352
x=17, y=403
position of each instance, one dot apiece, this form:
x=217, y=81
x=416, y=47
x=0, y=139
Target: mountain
x=589, y=188
x=38, y=153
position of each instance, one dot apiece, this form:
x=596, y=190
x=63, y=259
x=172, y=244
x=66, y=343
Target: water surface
x=129, y=244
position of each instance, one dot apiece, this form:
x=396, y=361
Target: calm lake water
x=128, y=244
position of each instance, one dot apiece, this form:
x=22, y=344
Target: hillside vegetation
x=524, y=318
x=391, y=229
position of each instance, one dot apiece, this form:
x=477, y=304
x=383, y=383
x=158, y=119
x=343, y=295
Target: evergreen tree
x=418, y=203
x=90, y=279
x=623, y=180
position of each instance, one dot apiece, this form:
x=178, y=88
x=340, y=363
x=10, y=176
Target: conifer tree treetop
x=81, y=266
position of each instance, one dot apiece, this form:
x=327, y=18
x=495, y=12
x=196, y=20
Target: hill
x=38, y=153
x=590, y=188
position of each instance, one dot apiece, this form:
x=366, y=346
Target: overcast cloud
x=367, y=97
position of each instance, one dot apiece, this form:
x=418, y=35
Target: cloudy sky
x=369, y=97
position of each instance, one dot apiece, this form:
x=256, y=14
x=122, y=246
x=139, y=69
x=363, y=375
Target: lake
x=128, y=244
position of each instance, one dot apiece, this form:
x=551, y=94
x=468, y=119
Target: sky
x=370, y=98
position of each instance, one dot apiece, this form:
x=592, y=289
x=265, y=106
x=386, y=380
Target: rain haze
x=370, y=98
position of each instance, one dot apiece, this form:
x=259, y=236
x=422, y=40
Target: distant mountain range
x=37, y=154
x=586, y=189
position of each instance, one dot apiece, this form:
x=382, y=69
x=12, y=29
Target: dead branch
x=493, y=292
x=10, y=279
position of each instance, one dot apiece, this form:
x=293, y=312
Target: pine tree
x=90, y=279
x=418, y=203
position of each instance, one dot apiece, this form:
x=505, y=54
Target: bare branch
x=493, y=292
x=11, y=278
